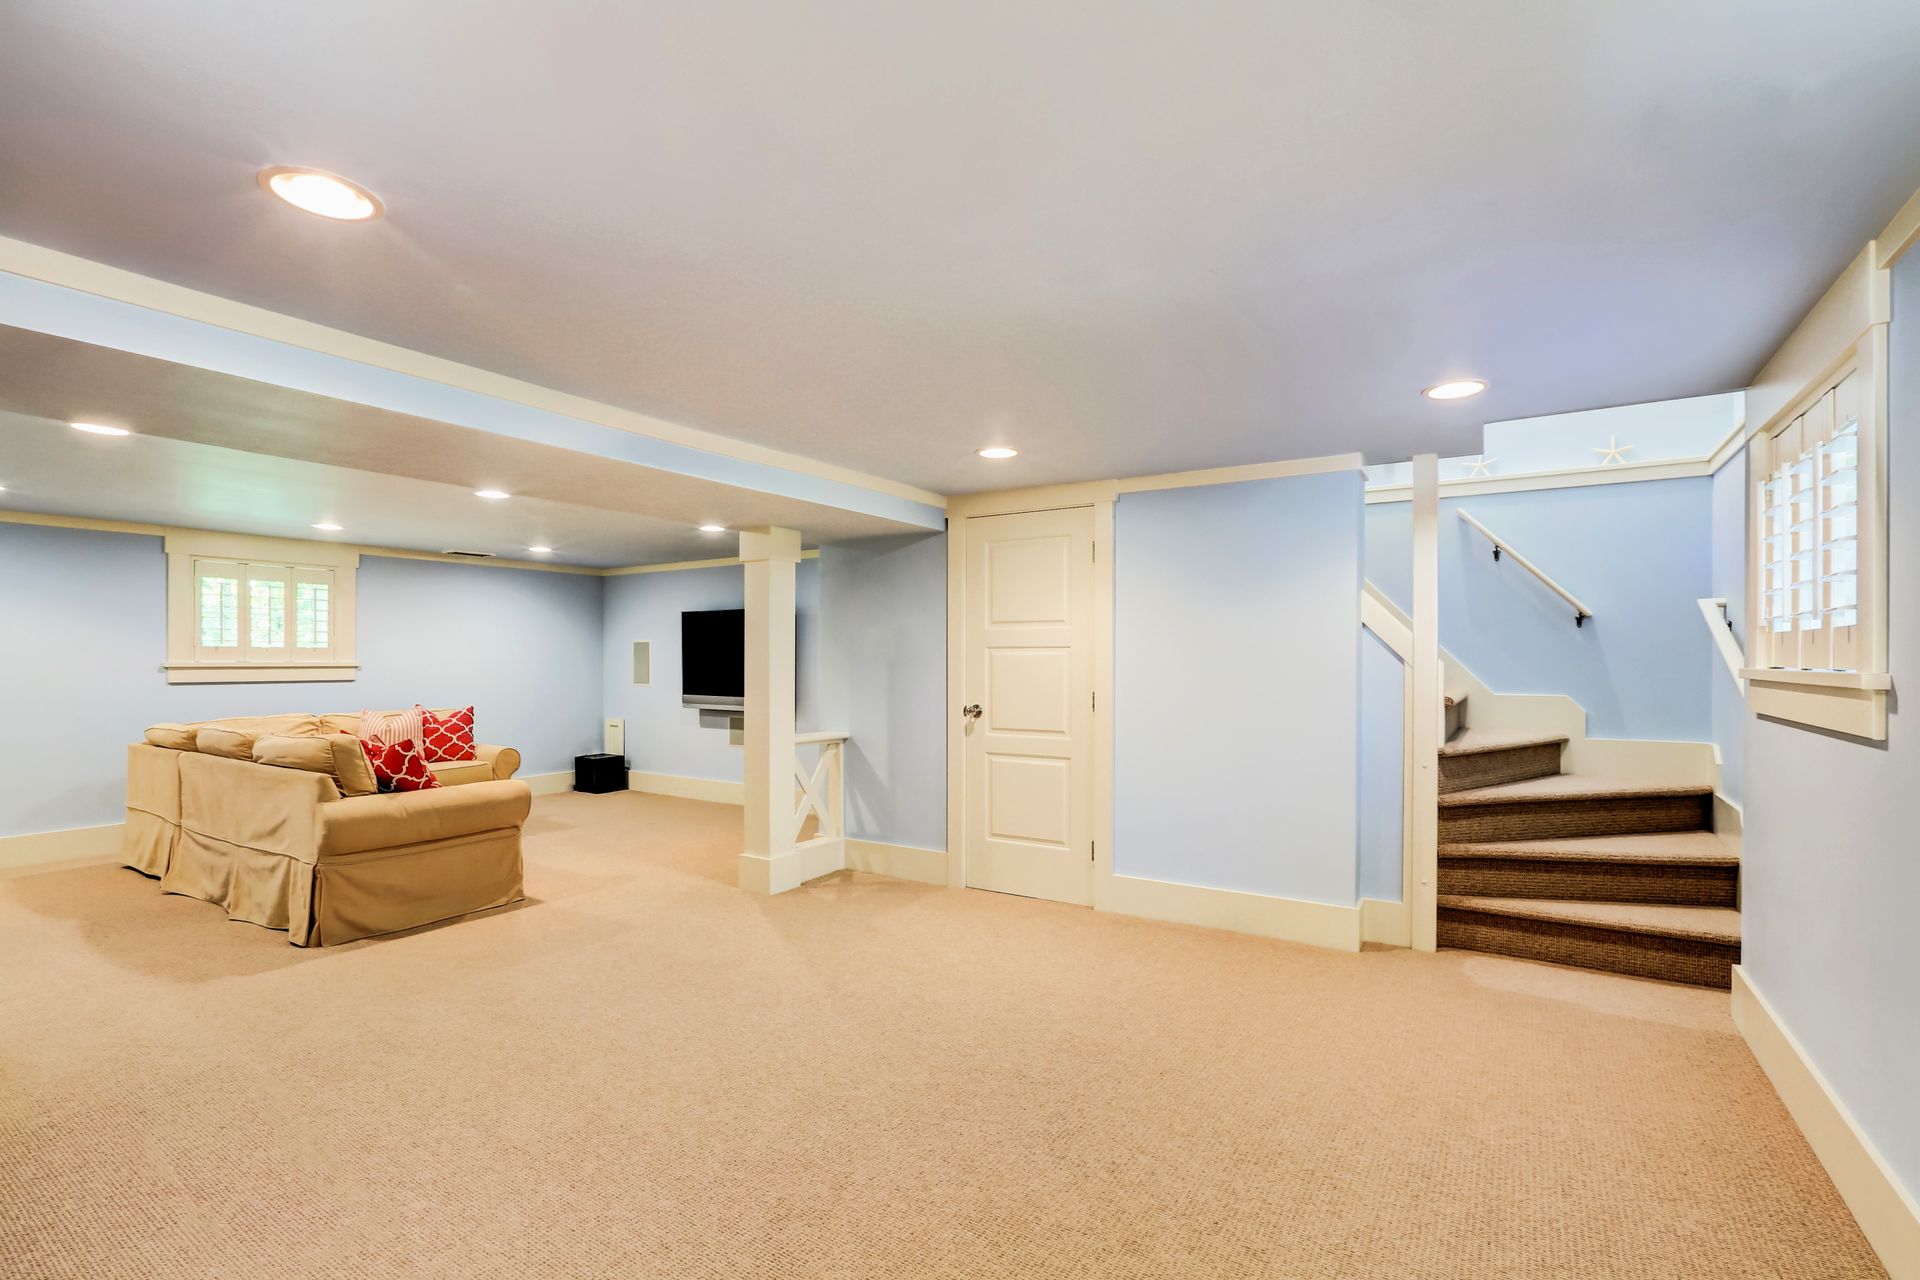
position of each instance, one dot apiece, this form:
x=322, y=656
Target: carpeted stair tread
x=1677, y=848
x=1469, y=742
x=1703, y=924
x=1567, y=787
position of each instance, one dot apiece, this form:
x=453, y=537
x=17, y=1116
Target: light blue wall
x=1730, y=581
x=1637, y=554
x=1383, y=717
x=883, y=674
x=1829, y=870
x=83, y=634
x=1236, y=648
x=662, y=735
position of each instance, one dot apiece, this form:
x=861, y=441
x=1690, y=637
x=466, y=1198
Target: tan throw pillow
x=351, y=768
x=235, y=744
x=174, y=737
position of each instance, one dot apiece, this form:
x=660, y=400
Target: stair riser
x=1700, y=886
x=1697, y=963
x=1491, y=768
x=1585, y=816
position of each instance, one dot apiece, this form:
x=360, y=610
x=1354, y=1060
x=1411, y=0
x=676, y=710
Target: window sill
x=1849, y=702
x=259, y=672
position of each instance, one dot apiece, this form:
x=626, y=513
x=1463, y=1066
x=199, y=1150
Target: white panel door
x=1029, y=745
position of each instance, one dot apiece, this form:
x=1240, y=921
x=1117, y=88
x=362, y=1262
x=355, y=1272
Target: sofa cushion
x=174, y=737
x=362, y=823
x=340, y=757
x=336, y=723
x=454, y=773
x=289, y=726
x=446, y=735
x=235, y=744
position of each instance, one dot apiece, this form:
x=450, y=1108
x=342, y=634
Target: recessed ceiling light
x=324, y=194
x=327, y=526
x=99, y=429
x=999, y=451
x=491, y=495
x=1458, y=389
x=541, y=551
x=713, y=528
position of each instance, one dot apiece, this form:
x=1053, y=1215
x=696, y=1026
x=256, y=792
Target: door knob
x=971, y=711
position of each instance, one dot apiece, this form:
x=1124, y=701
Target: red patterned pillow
x=398, y=766
x=447, y=736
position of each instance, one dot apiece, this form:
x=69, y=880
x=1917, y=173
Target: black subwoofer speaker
x=599, y=773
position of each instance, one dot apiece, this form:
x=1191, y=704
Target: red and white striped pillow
x=446, y=735
x=392, y=726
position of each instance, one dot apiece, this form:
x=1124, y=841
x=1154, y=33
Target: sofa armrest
x=505, y=760
x=359, y=823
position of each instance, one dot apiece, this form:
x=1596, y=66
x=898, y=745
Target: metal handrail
x=1580, y=611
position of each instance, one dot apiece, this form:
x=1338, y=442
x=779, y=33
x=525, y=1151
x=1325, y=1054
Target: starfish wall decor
x=1614, y=453
x=1479, y=466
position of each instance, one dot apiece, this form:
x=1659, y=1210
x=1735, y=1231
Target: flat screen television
x=713, y=658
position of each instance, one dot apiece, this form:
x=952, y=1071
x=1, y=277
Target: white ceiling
x=1126, y=238
x=212, y=451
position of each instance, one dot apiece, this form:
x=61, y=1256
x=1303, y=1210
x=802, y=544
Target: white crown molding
x=1899, y=235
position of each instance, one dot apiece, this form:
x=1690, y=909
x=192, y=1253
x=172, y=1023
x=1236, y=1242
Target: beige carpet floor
x=645, y=1072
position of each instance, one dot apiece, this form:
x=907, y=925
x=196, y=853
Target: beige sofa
x=285, y=847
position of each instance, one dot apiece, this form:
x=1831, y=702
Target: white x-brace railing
x=822, y=789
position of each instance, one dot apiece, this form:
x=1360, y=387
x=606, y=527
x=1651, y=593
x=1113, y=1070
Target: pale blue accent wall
x=662, y=735
x=883, y=675
x=83, y=637
x=1829, y=870
x=1637, y=554
x=1383, y=720
x=1236, y=649
x=1730, y=581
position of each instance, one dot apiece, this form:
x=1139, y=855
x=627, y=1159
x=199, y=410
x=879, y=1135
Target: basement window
x=252, y=610
x=1818, y=540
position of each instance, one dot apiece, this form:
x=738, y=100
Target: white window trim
x=184, y=663
x=1852, y=701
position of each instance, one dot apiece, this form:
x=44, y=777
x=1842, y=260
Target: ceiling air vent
x=470, y=555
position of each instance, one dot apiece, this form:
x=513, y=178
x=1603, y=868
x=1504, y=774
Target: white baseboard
x=546, y=784
x=1319, y=924
x=58, y=850
x=1387, y=922
x=902, y=862
x=779, y=872
x=672, y=784
x=1887, y=1213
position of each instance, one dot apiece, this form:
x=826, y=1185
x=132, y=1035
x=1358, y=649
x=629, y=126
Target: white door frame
x=1100, y=496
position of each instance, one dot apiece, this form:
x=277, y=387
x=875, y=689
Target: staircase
x=1623, y=875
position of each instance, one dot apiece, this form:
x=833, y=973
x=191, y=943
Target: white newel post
x=1429, y=697
x=769, y=557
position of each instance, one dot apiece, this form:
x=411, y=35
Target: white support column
x=767, y=861
x=1428, y=711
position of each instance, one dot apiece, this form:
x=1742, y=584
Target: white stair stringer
x=1526, y=715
